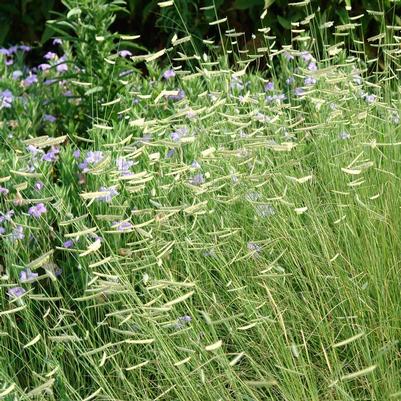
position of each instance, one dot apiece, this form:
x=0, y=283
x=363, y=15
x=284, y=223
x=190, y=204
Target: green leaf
x=65, y=23
x=285, y=23
x=74, y=11
x=47, y=34
x=62, y=32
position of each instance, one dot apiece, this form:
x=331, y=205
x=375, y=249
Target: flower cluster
x=92, y=159
x=37, y=210
x=109, y=194
x=6, y=99
x=123, y=166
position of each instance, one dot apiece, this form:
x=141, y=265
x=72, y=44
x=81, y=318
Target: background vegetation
x=25, y=20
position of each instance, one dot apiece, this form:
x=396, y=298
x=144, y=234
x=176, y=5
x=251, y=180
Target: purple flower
x=252, y=196
x=16, y=74
x=37, y=210
x=290, y=80
x=312, y=66
x=197, y=180
x=6, y=98
x=236, y=83
x=38, y=185
x=7, y=216
x=50, y=56
x=4, y=191
x=52, y=155
x=68, y=93
x=264, y=210
x=44, y=66
x=26, y=275
x=50, y=118
x=299, y=91
x=175, y=136
x=275, y=98
x=182, y=321
x=269, y=86
x=288, y=56
x=24, y=48
x=124, y=53
x=170, y=153
x=191, y=114
x=18, y=233
x=185, y=318
x=30, y=80
x=33, y=150
x=48, y=82
x=179, y=96
x=170, y=73
x=68, y=244
x=124, y=165
x=57, y=41
x=92, y=159
x=4, y=52
x=77, y=154
x=179, y=133
x=97, y=238
x=109, y=194
x=122, y=225
x=62, y=66
x=16, y=292
x=310, y=81
x=13, y=50
x=306, y=56
x=254, y=247
x=195, y=165
x=125, y=73
x=2, y=230
x=370, y=98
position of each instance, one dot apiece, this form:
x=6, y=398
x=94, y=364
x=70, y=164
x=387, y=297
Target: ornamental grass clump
x=214, y=225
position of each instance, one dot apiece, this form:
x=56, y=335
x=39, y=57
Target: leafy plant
x=85, y=30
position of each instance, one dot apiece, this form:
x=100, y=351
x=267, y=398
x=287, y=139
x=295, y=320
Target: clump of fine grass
x=219, y=233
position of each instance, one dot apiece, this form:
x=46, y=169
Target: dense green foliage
x=224, y=227
x=24, y=20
